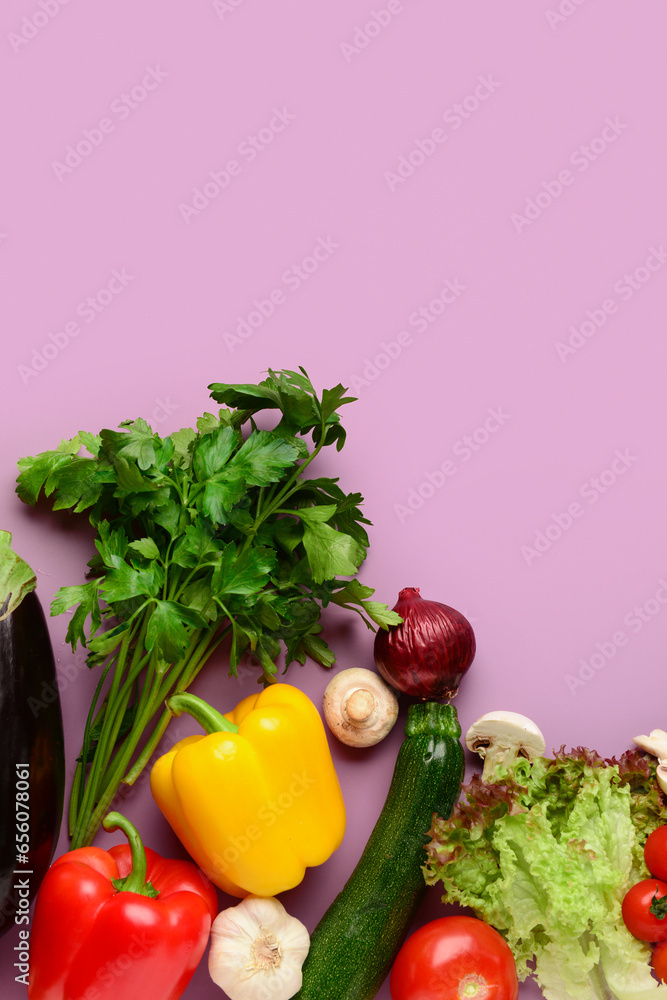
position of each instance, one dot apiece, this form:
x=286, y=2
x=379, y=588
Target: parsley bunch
x=202, y=534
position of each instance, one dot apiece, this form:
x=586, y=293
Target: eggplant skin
x=31, y=733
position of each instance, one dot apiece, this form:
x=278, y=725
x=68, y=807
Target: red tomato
x=659, y=961
x=454, y=957
x=655, y=853
x=636, y=910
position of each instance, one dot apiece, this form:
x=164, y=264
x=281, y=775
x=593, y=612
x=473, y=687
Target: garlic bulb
x=257, y=950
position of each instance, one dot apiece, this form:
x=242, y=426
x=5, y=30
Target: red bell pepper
x=119, y=923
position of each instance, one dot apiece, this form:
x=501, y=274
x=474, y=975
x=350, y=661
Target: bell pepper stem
x=208, y=718
x=136, y=880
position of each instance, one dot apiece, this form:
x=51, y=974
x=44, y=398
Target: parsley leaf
x=330, y=553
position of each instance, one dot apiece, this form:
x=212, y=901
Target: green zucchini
x=353, y=946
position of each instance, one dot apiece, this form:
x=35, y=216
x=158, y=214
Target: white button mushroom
x=359, y=708
x=656, y=744
x=501, y=737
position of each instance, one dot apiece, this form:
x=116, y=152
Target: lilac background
x=537, y=86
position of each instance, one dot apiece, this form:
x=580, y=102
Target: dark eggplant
x=32, y=759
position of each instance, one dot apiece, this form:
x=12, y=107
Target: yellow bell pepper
x=256, y=801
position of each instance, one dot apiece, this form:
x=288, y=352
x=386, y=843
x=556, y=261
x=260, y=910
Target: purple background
x=499, y=168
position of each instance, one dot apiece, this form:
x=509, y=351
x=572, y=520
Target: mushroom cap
x=661, y=775
x=505, y=729
x=360, y=709
x=655, y=743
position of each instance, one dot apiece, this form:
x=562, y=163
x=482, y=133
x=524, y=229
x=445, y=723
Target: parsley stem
x=110, y=717
x=106, y=791
x=84, y=834
x=148, y=750
x=114, y=713
x=203, y=651
x=76, y=798
x=153, y=694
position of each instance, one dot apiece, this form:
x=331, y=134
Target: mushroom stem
x=501, y=737
x=360, y=705
x=500, y=755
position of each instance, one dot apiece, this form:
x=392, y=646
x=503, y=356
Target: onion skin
x=428, y=654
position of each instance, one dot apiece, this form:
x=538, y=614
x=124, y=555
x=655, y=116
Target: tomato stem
x=473, y=986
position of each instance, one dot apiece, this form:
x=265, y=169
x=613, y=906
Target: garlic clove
x=257, y=950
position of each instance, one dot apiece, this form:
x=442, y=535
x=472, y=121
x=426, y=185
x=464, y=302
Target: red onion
x=428, y=654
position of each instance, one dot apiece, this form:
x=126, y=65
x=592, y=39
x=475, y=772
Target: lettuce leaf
x=545, y=853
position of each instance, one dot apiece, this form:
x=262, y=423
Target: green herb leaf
x=244, y=572
x=129, y=477
x=166, y=631
x=168, y=516
x=207, y=423
x=263, y=457
x=35, y=470
x=355, y=596
x=195, y=546
x=330, y=553
x=86, y=596
x=213, y=451
x=139, y=443
x=105, y=642
x=317, y=648
x=219, y=498
x=333, y=398
x=91, y=442
x=183, y=441
x=124, y=582
x=146, y=547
